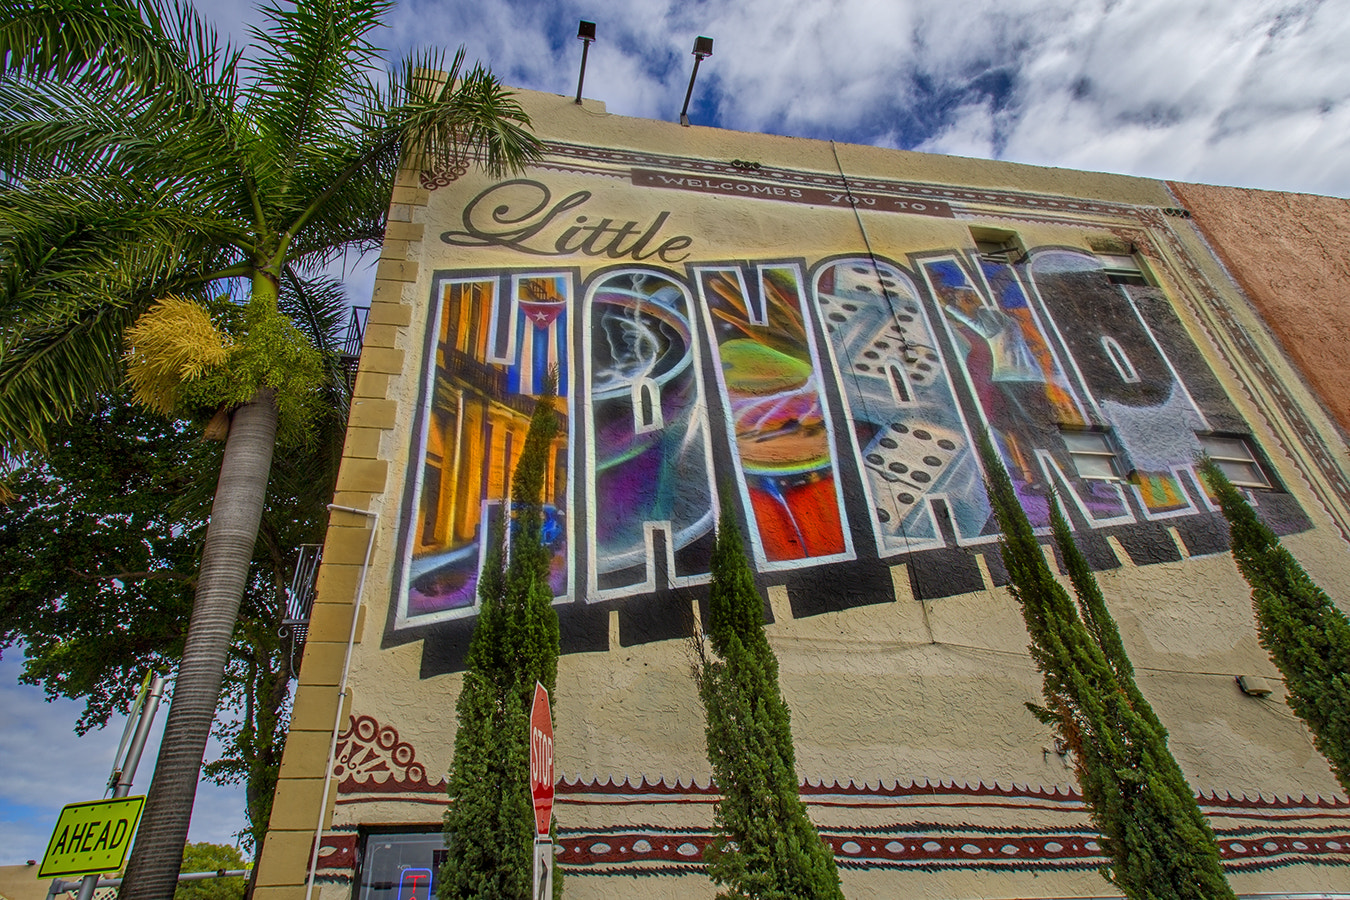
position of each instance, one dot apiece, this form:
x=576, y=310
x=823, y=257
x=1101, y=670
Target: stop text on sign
x=541, y=759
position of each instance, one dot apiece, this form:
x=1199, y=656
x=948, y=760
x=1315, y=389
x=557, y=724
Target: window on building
x=1120, y=260
x=1123, y=269
x=1235, y=459
x=1093, y=454
x=998, y=246
x=900, y=390
x=401, y=866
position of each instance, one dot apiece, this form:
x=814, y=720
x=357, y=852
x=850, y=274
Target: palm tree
x=143, y=162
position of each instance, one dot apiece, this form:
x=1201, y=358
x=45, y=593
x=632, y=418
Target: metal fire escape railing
x=300, y=600
x=351, y=344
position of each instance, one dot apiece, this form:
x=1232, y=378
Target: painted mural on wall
x=648, y=443
x=837, y=397
x=495, y=342
x=772, y=395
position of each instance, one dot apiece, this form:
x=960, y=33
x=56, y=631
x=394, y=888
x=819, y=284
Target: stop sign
x=541, y=759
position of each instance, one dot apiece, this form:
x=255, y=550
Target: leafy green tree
x=489, y=827
x=205, y=857
x=1160, y=844
x=144, y=164
x=765, y=846
x=103, y=535
x=1307, y=637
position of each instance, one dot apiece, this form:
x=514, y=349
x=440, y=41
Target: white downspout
x=342, y=689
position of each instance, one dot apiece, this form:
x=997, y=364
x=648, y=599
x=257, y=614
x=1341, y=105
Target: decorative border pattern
x=337, y=853
x=957, y=197
x=926, y=846
x=647, y=850
x=376, y=766
x=372, y=756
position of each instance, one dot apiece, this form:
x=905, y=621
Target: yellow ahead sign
x=91, y=838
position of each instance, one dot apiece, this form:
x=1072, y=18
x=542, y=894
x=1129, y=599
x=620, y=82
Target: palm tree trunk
x=157, y=854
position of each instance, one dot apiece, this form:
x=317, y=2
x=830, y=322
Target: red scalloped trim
x=371, y=759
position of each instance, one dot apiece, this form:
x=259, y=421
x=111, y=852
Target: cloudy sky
x=45, y=766
x=1241, y=92
x=1254, y=93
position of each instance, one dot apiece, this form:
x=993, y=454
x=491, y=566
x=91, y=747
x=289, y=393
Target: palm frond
x=462, y=117
x=420, y=115
x=78, y=264
x=166, y=51
x=313, y=69
x=54, y=372
x=349, y=202
x=54, y=130
x=317, y=306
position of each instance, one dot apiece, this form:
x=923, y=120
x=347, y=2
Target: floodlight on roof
x=702, y=49
x=585, y=34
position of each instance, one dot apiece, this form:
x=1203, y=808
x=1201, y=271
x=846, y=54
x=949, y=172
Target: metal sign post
x=543, y=869
x=94, y=837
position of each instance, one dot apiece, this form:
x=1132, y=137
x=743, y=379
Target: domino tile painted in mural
x=496, y=340
x=769, y=375
x=649, y=450
x=907, y=431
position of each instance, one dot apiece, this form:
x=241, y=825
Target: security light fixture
x=585, y=34
x=702, y=49
x=1254, y=685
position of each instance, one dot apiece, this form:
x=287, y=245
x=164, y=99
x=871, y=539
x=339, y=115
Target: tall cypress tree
x=766, y=846
x=489, y=827
x=1161, y=846
x=1307, y=637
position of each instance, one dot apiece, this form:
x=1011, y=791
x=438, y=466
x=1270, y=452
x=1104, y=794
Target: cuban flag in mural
x=541, y=323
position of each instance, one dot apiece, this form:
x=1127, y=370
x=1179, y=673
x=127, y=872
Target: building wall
x=819, y=329
x=1284, y=250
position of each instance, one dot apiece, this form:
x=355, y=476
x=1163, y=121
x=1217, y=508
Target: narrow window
x=646, y=406
x=1120, y=360
x=1093, y=455
x=995, y=245
x=1123, y=268
x=1235, y=459
x=646, y=400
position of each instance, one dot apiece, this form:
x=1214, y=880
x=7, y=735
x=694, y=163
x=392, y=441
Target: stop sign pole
x=541, y=790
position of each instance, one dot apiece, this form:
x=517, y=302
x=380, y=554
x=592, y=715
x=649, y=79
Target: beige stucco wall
x=911, y=690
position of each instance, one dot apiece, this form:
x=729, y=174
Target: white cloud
x=1252, y=94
